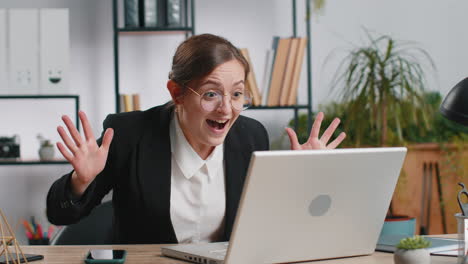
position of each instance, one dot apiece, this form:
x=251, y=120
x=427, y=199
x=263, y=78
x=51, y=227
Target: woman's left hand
x=314, y=142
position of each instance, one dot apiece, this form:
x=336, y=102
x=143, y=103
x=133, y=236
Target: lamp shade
x=455, y=104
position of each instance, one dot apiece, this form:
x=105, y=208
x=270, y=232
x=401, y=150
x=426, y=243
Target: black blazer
x=138, y=169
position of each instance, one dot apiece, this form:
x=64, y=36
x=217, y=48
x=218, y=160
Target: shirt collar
x=187, y=158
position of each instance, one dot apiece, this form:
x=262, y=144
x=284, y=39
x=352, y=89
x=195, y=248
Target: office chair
x=95, y=229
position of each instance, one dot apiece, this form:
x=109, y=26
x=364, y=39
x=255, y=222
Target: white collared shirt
x=198, y=198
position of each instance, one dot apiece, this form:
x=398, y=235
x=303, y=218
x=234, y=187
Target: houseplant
x=383, y=101
x=412, y=250
x=381, y=84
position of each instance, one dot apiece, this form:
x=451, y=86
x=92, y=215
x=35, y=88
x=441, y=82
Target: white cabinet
x=54, y=51
x=34, y=51
x=23, y=50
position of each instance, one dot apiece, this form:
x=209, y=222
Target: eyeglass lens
x=211, y=101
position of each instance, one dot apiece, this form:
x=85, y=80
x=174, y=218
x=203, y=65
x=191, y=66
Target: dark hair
x=199, y=55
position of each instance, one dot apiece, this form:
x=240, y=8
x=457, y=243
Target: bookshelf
x=190, y=30
x=187, y=30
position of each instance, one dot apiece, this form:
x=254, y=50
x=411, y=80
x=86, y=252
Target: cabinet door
x=23, y=46
x=54, y=51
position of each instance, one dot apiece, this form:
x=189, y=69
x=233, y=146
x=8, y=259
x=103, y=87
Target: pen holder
x=462, y=228
x=37, y=242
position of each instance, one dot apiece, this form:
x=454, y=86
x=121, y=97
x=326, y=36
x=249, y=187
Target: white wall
x=145, y=60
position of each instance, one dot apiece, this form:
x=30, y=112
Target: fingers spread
x=88, y=132
x=337, y=141
x=66, y=139
x=293, y=139
x=67, y=155
x=107, y=138
x=72, y=130
x=330, y=130
x=314, y=133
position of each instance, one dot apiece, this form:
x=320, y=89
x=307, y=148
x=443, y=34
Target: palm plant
x=383, y=85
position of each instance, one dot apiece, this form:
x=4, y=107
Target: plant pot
x=46, y=153
x=412, y=256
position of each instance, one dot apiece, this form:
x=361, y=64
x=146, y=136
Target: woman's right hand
x=87, y=158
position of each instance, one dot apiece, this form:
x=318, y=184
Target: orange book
x=278, y=71
x=136, y=102
x=292, y=96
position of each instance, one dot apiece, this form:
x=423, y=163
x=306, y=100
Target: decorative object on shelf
x=46, y=150
x=8, y=242
x=412, y=250
x=9, y=147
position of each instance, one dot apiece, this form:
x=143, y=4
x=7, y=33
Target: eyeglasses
x=212, y=100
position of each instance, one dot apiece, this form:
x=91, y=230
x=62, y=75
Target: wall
x=145, y=60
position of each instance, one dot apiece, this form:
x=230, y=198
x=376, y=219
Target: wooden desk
x=151, y=254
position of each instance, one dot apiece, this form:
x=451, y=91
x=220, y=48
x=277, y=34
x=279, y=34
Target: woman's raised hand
x=314, y=142
x=87, y=158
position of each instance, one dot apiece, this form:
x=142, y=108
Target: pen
x=28, y=227
x=29, y=235
x=39, y=231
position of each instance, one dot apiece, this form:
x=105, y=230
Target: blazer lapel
x=154, y=172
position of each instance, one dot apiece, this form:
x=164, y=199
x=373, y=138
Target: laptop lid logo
x=320, y=205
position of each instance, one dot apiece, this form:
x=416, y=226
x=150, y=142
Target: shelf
x=37, y=96
x=263, y=107
x=156, y=30
x=32, y=162
x=76, y=98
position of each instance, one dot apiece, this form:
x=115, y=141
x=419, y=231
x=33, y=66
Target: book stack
x=129, y=102
x=283, y=70
x=154, y=13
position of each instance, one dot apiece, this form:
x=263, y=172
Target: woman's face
x=206, y=129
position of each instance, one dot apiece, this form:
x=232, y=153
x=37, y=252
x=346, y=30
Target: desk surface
x=151, y=254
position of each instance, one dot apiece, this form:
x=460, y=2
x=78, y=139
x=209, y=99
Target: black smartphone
x=108, y=256
x=29, y=257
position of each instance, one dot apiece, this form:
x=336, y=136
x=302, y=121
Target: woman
x=176, y=170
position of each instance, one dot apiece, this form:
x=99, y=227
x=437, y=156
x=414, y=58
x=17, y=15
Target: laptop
x=306, y=205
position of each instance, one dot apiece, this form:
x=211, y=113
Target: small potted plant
x=412, y=250
x=46, y=149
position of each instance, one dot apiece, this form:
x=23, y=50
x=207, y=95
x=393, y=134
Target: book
x=266, y=75
x=136, y=102
x=127, y=102
x=132, y=13
x=288, y=72
x=278, y=71
x=149, y=13
x=251, y=80
x=292, y=95
x=387, y=243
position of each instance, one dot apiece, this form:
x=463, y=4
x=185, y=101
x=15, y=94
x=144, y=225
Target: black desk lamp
x=455, y=104
x=455, y=108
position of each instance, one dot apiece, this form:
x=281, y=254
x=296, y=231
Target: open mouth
x=217, y=124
